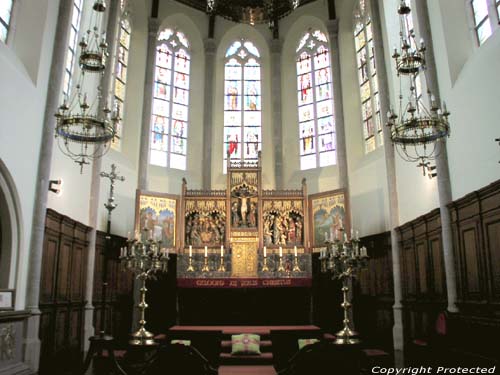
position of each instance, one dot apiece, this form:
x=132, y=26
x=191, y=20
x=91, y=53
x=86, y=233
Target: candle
x=281, y=252
x=295, y=251
x=265, y=252
x=336, y=234
x=190, y=251
x=221, y=251
x=352, y=233
x=357, y=235
x=326, y=236
x=129, y=236
x=206, y=252
x=150, y=234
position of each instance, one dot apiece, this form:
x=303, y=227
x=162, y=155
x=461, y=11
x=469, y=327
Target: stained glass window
x=368, y=82
x=121, y=74
x=242, y=103
x=315, y=102
x=169, y=123
x=72, y=46
x=5, y=13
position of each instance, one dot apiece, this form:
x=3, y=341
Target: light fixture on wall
x=252, y=11
x=417, y=128
x=55, y=186
x=84, y=129
x=498, y=140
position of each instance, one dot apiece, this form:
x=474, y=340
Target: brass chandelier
x=417, y=129
x=85, y=128
x=252, y=11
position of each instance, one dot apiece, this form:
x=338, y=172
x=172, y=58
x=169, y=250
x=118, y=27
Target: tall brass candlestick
x=144, y=259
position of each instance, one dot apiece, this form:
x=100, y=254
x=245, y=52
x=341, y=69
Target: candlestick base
x=347, y=336
x=205, y=267
x=142, y=337
x=222, y=267
x=265, y=268
x=281, y=267
x=296, y=267
x=190, y=266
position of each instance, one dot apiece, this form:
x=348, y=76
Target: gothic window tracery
x=315, y=102
x=367, y=78
x=242, y=103
x=121, y=74
x=72, y=46
x=170, y=117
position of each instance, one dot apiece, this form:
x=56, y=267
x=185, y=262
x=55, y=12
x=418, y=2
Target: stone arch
x=11, y=228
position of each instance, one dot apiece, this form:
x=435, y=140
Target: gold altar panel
x=244, y=256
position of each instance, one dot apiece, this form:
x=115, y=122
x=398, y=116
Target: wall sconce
x=431, y=171
x=498, y=139
x=55, y=186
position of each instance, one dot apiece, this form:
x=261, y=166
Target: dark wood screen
x=62, y=292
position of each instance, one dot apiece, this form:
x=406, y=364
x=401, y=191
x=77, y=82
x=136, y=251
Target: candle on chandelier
x=221, y=251
x=281, y=252
x=265, y=252
x=295, y=251
x=190, y=251
x=206, y=252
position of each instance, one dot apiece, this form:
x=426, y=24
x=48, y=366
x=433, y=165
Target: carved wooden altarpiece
x=244, y=218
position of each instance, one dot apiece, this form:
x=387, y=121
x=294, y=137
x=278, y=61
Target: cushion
x=245, y=344
x=181, y=342
x=305, y=342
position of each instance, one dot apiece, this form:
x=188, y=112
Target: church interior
x=249, y=186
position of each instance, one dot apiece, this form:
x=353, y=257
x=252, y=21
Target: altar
x=243, y=236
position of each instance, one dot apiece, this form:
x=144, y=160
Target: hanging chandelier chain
x=83, y=127
x=417, y=127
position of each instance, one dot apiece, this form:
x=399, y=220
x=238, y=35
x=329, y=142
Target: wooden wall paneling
x=421, y=252
x=438, y=277
x=491, y=227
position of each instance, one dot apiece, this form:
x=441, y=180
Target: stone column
x=333, y=33
x=442, y=169
x=54, y=89
x=390, y=163
x=147, y=104
x=210, y=48
x=276, y=46
x=107, y=84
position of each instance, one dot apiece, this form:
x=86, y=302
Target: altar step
x=247, y=370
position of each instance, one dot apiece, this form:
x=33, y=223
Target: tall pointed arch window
x=5, y=14
x=121, y=74
x=315, y=102
x=367, y=78
x=169, y=125
x=242, y=103
x=72, y=46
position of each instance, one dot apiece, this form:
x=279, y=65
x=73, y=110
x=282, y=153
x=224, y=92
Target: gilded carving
x=7, y=342
x=244, y=259
x=205, y=222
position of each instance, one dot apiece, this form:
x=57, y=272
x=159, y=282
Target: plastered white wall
x=23, y=87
